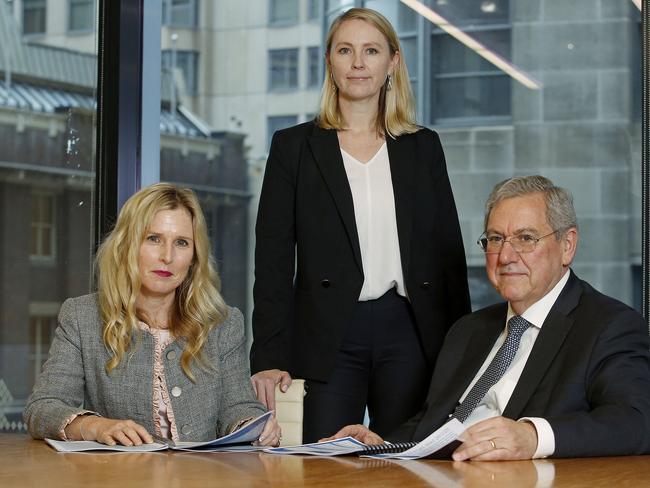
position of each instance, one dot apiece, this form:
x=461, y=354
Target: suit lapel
x=327, y=154
x=478, y=347
x=402, y=156
x=555, y=329
x=445, y=393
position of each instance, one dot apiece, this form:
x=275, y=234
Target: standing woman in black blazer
x=359, y=262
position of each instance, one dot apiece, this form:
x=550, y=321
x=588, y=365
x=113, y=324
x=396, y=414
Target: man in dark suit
x=560, y=369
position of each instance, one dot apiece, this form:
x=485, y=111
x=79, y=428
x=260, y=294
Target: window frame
x=275, y=21
x=314, y=61
x=168, y=10
x=34, y=5
x=37, y=197
x=188, y=62
x=462, y=75
x=287, y=68
x=72, y=4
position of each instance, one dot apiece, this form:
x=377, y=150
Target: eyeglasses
x=522, y=243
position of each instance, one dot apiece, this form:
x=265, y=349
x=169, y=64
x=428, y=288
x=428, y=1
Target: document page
x=239, y=440
x=82, y=446
x=244, y=435
x=439, y=439
x=336, y=447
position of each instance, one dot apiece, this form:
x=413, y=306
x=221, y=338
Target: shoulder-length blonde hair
x=396, y=111
x=198, y=306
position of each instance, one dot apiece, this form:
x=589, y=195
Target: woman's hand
x=359, y=432
x=108, y=431
x=264, y=384
x=272, y=433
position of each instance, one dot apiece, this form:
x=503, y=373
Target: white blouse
x=374, y=212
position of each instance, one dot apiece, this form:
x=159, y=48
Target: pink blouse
x=163, y=414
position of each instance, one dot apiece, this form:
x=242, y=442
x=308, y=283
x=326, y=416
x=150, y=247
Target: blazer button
x=186, y=429
x=176, y=391
x=325, y=283
x=425, y=285
x=171, y=355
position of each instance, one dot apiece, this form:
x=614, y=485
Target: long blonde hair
x=198, y=305
x=396, y=111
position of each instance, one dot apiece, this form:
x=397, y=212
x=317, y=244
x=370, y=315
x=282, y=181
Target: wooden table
x=26, y=463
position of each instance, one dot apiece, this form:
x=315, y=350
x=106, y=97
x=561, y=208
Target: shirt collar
x=537, y=312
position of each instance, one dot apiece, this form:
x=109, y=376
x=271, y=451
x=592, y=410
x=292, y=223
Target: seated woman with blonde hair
x=155, y=351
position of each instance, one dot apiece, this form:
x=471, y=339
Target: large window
x=464, y=84
x=187, y=62
x=43, y=227
x=34, y=16
x=314, y=8
x=47, y=182
x=283, y=69
x=577, y=123
x=41, y=332
x=82, y=15
x=314, y=62
x=283, y=12
x=180, y=13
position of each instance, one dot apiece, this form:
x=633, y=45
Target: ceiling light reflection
x=504, y=65
x=488, y=7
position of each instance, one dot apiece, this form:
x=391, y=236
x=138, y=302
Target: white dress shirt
x=497, y=397
x=374, y=213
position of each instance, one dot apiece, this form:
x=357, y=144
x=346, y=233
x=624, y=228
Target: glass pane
x=403, y=18
x=46, y=243
x=283, y=11
x=579, y=125
x=468, y=12
x=451, y=56
x=82, y=15
x=313, y=9
x=409, y=51
x=47, y=181
x=471, y=97
x=252, y=78
x=336, y=8
x=313, y=67
x=283, y=66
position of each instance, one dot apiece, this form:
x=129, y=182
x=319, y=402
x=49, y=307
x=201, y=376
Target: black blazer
x=308, y=271
x=588, y=374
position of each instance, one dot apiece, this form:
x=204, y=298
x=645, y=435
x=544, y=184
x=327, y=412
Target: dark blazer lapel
x=445, y=392
x=327, y=154
x=548, y=343
x=480, y=344
x=402, y=156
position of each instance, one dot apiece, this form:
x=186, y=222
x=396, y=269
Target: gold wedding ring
x=491, y=441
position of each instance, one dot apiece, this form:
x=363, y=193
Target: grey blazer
x=74, y=378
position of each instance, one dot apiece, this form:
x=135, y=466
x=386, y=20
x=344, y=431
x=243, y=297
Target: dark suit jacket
x=308, y=271
x=588, y=374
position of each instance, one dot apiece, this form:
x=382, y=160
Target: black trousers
x=380, y=365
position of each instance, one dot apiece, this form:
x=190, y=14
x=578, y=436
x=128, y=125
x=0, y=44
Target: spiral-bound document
x=440, y=444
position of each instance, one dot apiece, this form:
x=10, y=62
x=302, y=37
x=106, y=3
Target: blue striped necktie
x=517, y=325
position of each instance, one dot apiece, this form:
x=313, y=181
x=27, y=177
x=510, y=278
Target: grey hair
x=560, y=213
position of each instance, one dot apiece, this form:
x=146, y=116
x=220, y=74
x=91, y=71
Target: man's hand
x=497, y=439
x=264, y=385
x=109, y=431
x=359, y=432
